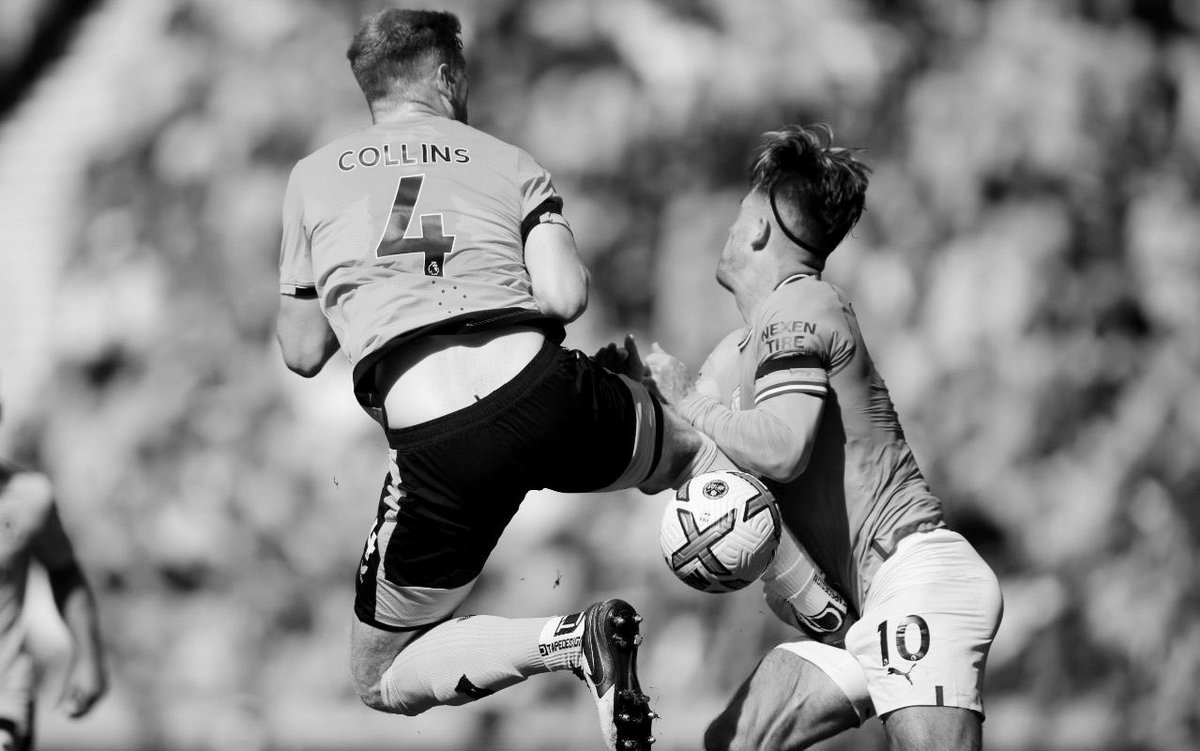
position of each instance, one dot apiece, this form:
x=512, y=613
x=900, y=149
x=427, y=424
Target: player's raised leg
x=419, y=564
x=472, y=657
x=464, y=476
x=927, y=626
x=800, y=693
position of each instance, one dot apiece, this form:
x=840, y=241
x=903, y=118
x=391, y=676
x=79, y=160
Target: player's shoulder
x=492, y=148
x=456, y=129
x=808, y=295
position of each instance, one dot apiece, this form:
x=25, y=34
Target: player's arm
x=794, y=357
x=557, y=274
x=559, y=278
x=305, y=337
x=86, y=680
x=774, y=440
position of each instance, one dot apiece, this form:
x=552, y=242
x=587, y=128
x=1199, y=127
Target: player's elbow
x=305, y=368
x=567, y=299
x=781, y=469
x=784, y=463
x=303, y=356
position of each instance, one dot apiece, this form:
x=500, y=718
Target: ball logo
x=715, y=489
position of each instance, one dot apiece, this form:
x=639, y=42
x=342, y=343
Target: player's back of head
x=817, y=191
x=401, y=47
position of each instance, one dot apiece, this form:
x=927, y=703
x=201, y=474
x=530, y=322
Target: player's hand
x=85, y=685
x=624, y=360
x=669, y=374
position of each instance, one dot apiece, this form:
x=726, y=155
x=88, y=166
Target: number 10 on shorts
x=910, y=639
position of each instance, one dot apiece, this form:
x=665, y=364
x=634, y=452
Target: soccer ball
x=720, y=532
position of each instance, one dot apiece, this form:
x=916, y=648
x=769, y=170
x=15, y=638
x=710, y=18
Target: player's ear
x=760, y=232
x=446, y=81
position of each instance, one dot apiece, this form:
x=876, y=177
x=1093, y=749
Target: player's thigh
x=934, y=729
x=595, y=430
x=791, y=701
x=680, y=442
x=927, y=626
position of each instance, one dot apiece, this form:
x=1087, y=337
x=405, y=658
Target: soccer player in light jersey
x=30, y=530
x=437, y=258
x=795, y=398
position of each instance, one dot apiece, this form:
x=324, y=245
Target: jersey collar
x=745, y=339
x=796, y=278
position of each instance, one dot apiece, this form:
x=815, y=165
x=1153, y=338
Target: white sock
x=560, y=642
x=463, y=660
x=793, y=577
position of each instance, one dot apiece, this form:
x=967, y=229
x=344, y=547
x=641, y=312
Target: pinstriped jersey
x=413, y=227
x=862, y=483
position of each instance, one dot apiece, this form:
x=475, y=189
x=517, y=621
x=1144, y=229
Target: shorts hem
x=883, y=714
x=376, y=623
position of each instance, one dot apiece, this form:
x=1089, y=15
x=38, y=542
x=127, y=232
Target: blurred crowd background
x=1027, y=275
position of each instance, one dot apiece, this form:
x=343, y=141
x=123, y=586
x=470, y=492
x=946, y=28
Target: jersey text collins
x=389, y=155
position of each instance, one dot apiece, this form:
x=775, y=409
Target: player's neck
x=749, y=296
x=384, y=113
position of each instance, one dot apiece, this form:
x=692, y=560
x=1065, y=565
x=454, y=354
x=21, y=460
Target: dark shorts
x=562, y=423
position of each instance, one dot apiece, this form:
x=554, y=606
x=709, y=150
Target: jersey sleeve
x=538, y=196
x=799, y=343
x=296, y=275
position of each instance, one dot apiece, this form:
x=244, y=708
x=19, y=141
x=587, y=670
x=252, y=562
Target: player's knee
x=366, y=684
x=377, y=696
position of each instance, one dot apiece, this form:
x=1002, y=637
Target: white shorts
x=929, y=619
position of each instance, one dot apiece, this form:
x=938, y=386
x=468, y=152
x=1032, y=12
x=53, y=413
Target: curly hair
x=401, y=45
x=816, y=190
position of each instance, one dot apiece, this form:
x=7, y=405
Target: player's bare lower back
x=436, y=375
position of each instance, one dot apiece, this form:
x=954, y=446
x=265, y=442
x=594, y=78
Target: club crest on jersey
x=714, y=489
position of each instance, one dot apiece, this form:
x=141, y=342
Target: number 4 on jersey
x=432, y=242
